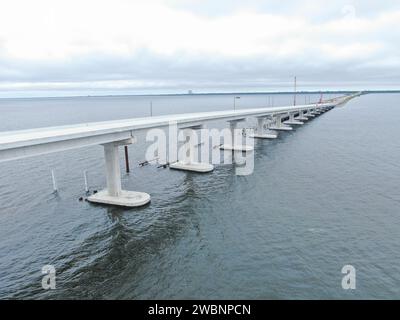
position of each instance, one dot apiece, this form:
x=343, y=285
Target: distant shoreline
x=209, y=94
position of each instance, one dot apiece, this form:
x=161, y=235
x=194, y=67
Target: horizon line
x=207, y=93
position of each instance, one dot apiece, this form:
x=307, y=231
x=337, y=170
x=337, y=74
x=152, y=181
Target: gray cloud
x=145, y=70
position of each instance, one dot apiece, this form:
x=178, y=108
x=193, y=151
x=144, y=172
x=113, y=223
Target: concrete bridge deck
x=112, y=134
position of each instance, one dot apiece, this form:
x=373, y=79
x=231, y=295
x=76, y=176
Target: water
x=320, y=197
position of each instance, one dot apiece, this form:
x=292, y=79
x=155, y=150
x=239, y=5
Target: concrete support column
x=113, y=170
x=301, y=116
x=261, y=133
x=278, y=121
x=292, y=120
x=309, y=113
x=233, y=127
x=189, y=146
x=113, y=194
x=234, y=145
x=189, y=161
x=260, y=125
x=279, y=125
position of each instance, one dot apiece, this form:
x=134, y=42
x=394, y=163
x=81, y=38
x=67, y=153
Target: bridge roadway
x=112, y=134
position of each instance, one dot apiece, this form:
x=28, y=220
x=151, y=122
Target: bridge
x=113, y=134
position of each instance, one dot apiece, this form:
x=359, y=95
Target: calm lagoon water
x=322, y=196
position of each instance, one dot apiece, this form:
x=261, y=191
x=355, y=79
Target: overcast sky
x=82, y=47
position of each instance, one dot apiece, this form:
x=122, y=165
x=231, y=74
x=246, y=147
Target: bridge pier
x=113, y=194
x=301, y=116
x=292, y=120
x=261, y=133
x=234, y=146
x=189, y=162
x=279, y=125
x=309, y=113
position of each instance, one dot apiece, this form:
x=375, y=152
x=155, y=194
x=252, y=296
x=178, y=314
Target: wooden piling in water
x=126, y=159
x=53, y=176
x=86, y=181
